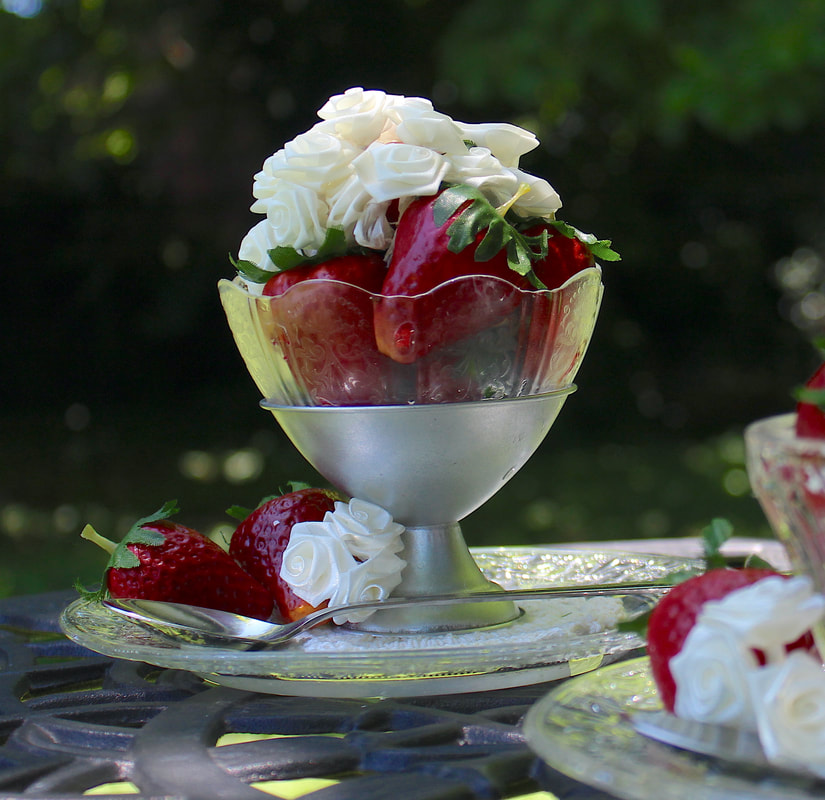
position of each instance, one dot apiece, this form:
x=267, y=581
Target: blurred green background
x=689, y=133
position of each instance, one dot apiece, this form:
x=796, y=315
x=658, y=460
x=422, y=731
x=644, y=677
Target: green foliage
x=734, y=67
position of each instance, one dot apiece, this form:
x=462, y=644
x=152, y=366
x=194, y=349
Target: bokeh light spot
x=243, y=465
x=198, y=465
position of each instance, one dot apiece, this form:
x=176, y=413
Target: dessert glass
x=481, y=371
x=787, y=473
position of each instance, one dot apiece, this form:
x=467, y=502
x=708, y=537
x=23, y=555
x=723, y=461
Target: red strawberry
x=161, y=560
x=259, y=542
x=810, y=416
x=454, y=234
x=325, y=329
x=676, y=613
x=367, y=271
x=566, y=256
x=406, y=329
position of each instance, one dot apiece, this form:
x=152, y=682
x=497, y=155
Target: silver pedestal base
x=438, y=561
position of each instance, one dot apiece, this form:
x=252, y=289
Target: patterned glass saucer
x=584, y=729
x=553, y=639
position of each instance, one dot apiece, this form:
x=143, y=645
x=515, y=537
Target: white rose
x=298, y=216
x=318, y=160
x=768, y=614
x=348, y=557
x=508, y=143
x=366, y=529
x=373, y=229
x=314, y=561
x=347, y=205
x=790, y=711
x=268, y=180
x=360, y=116
x=371, y=581
x=708, y=672
x=541, y=201
x=478, y=167
x=255, y=246
x=390, y=171
x=427, y=128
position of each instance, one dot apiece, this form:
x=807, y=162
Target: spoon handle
x=596, y=590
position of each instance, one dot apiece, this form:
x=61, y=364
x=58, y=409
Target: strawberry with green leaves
x=162, y=560
x=458, y=233
x=258, y=543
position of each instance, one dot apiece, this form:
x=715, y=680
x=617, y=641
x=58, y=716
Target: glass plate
x=583, y=728
x=551, y=640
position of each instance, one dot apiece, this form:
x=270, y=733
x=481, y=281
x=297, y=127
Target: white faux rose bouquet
x=353, y=173
x=351, y=556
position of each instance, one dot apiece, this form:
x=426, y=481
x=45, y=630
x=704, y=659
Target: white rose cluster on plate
x=370, y=150
x=735, y=669
x=351, y=556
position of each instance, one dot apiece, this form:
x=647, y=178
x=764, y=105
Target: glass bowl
x=328, y=343
x=787, y=474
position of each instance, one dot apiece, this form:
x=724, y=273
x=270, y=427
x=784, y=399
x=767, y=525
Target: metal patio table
x=71, y=719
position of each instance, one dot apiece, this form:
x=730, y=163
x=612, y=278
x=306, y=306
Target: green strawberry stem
x=478, y=217
x=90, y=534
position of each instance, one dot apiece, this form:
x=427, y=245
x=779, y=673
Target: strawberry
x=422, y=261
x=325, y=330
x=364, y=270
x=566, y=256
x=676, y=613
x=258, y=543
x=162, y=560
x=458, y=233
x=810, y=416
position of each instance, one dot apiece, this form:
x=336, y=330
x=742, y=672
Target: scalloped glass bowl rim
x=579, y=276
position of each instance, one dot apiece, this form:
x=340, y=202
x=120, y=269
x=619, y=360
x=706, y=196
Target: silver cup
x=429, y=466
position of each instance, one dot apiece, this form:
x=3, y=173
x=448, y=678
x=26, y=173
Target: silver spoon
x=210, y=626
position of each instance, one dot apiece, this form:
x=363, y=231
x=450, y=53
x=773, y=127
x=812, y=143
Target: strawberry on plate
x=676, y=613
x=258, y=543
x=162, y=560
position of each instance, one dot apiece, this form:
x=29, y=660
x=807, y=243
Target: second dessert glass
x=787, y=474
